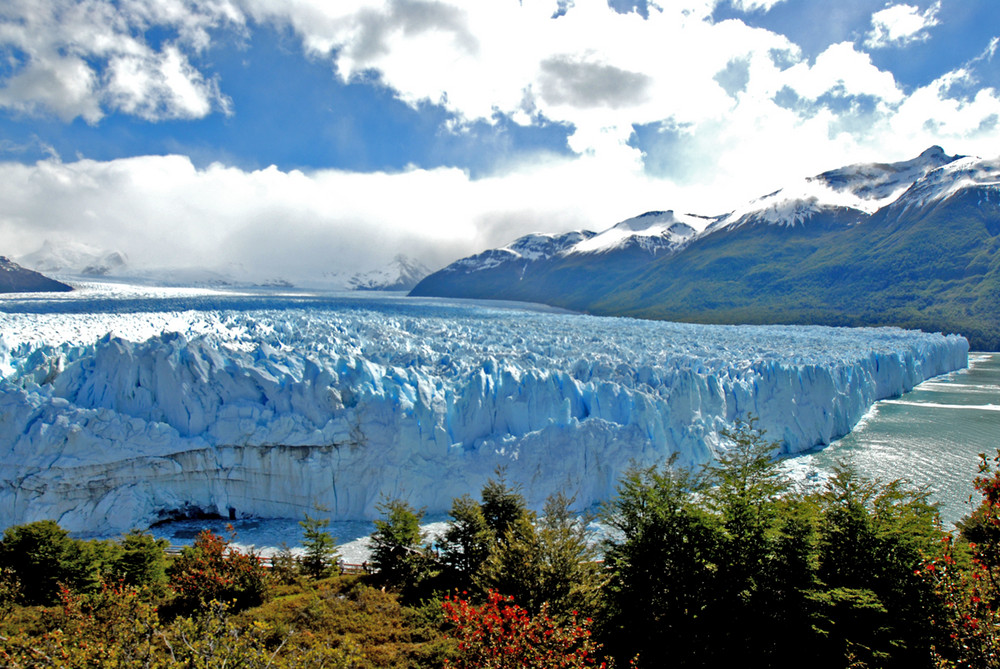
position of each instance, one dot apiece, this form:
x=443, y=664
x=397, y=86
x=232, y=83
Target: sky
x=296, y=137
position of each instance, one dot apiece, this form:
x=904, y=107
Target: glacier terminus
x=121, y=406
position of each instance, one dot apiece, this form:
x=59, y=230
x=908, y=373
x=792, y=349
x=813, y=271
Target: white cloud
x=774, y=116
x=755, y=5
x=899, y=25
x=843, y=70
x=162, y=211
x=84, y=59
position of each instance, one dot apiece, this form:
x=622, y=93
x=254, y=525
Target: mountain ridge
x=859, y=245
x=17, y=279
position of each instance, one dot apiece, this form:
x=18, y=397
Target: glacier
x=122, y=406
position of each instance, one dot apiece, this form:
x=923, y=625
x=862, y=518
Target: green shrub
x=40, y=555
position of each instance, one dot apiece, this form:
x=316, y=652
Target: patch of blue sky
x=964, y=31
x=293, y=112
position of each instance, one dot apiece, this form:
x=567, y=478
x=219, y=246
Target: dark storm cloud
x=565, y=80
x=411, y=17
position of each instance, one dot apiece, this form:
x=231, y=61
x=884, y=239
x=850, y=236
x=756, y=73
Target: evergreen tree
x=511, y=567
x=503, y=505
x=40, y=555
x=320, y=546
x=663, y=574
x=466, y=543
x=398, y=549
x=570, y=577
x=142, y=561
x=872, y=603
x=745, y=492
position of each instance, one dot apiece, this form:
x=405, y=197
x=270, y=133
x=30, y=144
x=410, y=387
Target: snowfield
x=123, y=405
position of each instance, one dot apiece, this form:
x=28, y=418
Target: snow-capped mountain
x=403, y=273
x=17, y=279
x=75, y=258
x=653, y=232
x=913, y=243
x=566, y=260
x=523, y=250
x=877, y=184
x=850, y=193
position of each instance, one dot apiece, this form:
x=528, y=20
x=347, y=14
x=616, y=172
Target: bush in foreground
x=500, y=634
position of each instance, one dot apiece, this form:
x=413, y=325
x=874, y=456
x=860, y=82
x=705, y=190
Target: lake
x=931, y=436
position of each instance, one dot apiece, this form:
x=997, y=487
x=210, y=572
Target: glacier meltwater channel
x=122, y=406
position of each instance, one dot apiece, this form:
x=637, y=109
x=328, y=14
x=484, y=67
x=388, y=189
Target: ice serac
x=267, y=412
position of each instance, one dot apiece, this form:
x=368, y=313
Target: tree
x=872, y=602
x=570, y=577
x=466, y=543
x=398, y=550
x=503, y=505
x=320, y=546
x=661, y=560
x=746, y=492
x=40, y=555
x=511, y=566
x=142, y=561
x=966, y=578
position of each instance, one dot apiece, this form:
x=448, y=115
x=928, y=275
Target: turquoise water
x=931, y=436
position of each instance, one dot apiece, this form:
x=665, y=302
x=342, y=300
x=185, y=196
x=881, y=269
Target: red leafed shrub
x=967, y=580
x=500, y=634
x=970, y=617
x=212, y=570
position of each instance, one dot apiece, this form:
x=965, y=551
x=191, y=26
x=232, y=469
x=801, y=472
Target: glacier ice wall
x=111, y=418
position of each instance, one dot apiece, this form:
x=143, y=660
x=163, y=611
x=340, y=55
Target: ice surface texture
x=116, y=412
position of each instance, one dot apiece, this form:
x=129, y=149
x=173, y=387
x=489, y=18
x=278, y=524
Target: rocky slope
x=17, y=279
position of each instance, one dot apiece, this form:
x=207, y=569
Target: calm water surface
x=931, y=436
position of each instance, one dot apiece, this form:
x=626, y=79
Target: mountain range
x=72, y=259
x=912, y=244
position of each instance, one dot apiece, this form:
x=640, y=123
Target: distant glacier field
x=123, y=405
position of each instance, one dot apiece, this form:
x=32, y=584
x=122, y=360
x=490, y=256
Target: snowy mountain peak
x=653, y=231
x=864, y=187
x=403, y=273
x=943, y=182
x=878, y=182
x=68, y=257
x=537, y=246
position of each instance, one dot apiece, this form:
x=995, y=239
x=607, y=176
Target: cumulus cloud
x=728, y=112
x=604, y=73
x=842, y=70
x=755, y=5
x=84, y=59
x=899, y=25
